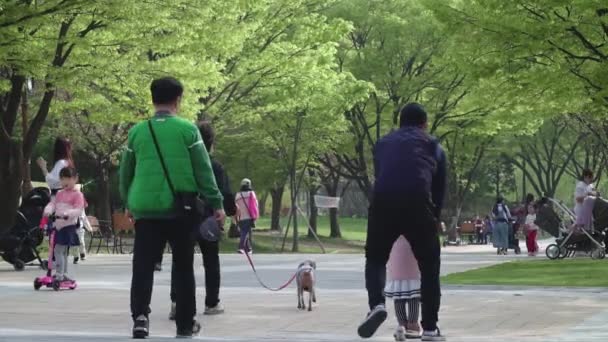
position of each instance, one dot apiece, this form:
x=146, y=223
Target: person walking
x=407, y=198
x=165, y=157
x=489, y=227
x=500, y=232
x=210, y=246
x=584, y=199
x=531, y=230
x=403, y=287
x=248, y=213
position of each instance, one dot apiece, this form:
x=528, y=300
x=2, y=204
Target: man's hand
x=129, y=215
x=220, y=216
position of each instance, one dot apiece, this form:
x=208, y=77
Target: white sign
x=327, y=202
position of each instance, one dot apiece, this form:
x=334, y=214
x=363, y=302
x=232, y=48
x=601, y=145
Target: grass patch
x=572, y=272
x=354, y=231
x=265, y=242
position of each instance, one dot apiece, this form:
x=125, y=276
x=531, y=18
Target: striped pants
x=407, y=310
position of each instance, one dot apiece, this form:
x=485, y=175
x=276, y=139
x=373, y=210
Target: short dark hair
x=587, y=173
x=208, y=134
x=166, y=90
x=68, y=172
x=413, y=114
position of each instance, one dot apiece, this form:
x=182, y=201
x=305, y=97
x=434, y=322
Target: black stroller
x=557, y=220
x=19, y=246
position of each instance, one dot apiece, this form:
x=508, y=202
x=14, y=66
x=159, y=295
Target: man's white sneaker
x=215, y=310
x=373, y=321
x=399, y=334
x=433, y=336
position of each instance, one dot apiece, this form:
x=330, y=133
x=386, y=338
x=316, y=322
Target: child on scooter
x=66, y=207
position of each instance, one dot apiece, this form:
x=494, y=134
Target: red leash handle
x=293, y=277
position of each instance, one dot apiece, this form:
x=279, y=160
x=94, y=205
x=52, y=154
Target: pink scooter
x=48, y=279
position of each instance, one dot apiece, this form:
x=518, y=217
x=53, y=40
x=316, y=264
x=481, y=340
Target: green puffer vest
x=142, y=182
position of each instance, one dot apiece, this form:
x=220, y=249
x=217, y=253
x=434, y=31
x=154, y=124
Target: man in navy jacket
x=409, y=189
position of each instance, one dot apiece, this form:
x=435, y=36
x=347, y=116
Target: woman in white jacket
x=248, y=213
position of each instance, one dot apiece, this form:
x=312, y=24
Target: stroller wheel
x=552, y=251
x=37, y=285
x=19, y=265
x=565, y=253
x=44, y=265
x=56, y=285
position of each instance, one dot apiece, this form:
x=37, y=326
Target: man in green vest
x=147, y=192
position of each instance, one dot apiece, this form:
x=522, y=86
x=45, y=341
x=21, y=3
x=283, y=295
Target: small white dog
x=305, y=280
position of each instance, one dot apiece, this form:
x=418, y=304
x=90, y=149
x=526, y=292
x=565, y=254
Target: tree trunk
x=26, y=187
x=11, y=176
x=331, y=185
x=276, y=195
x=104, y=210
x=334, y=224
x=262, y=205
x=497, y=180
x=314, y=211
x=295, y=247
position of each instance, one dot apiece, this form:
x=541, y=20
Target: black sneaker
x=141, y=327
x=158, y=267
x=373, y=321
x=189, y=333
x=83, y=256
x=75, y=260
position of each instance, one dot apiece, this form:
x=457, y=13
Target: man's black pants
x=211, y=263
x=388, y=219
x=150, y=236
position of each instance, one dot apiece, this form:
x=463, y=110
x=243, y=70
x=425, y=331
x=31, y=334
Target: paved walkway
x=98, y=309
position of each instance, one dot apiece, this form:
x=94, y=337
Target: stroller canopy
x=548, y=220
x=600, y=214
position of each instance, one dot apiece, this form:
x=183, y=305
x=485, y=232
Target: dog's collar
x=306, y=268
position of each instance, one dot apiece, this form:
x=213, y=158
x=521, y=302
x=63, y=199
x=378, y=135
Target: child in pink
x=531, y=231
x=403, y=285
x=66, y=206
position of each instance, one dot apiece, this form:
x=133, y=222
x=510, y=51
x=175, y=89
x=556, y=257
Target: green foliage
x=541, y=57
x=329, y=77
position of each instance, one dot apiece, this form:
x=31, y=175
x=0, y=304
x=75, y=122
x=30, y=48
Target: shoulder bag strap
x=160, y=156
x=246, y=205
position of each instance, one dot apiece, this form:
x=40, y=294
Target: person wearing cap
x=407, y=198
x=247, y=213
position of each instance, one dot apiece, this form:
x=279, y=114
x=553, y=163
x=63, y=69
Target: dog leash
x=257, y=276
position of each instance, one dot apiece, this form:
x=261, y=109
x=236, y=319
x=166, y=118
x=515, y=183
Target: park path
x=98, y=310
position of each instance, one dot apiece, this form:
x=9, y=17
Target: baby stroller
x=556, y=219
x=19, y=246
